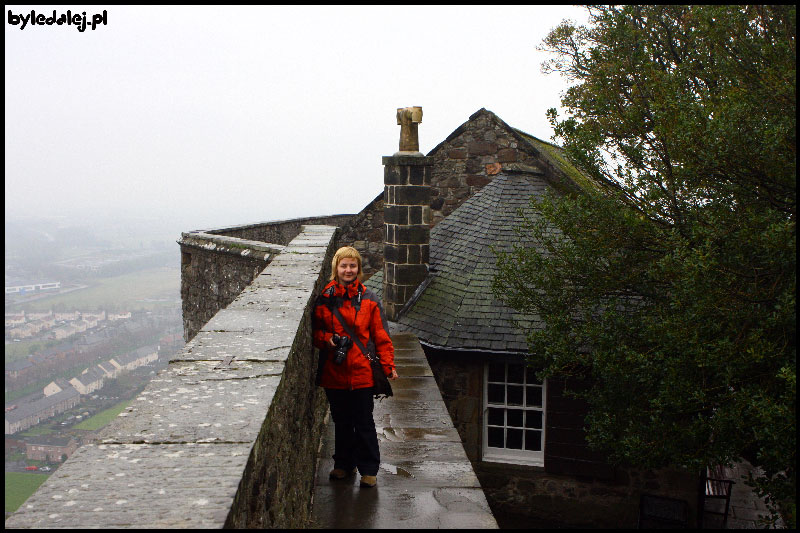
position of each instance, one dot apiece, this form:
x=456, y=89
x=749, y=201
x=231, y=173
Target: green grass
x=103, y=418
x=38, y=430
x=127, y=292
x=20, y=350
x=20, y=486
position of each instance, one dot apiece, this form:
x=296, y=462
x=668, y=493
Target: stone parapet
x=217, y=264
x=280, y=231
x=230, y=245
x=214, y=270
x=227, y=435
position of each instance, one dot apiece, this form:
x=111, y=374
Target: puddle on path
x=396, y=470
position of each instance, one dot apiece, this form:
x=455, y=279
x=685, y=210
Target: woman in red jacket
x=346, y=373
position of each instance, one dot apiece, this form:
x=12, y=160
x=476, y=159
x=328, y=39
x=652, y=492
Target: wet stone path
x=425, y=479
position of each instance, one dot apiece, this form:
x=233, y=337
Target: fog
x=176, y=118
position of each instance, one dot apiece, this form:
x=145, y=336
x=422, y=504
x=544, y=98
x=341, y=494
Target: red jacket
x=368, y=322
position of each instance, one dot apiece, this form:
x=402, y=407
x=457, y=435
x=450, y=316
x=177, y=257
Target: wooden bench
x=715, y=487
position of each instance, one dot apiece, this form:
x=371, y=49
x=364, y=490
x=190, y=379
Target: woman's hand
x=394, y=375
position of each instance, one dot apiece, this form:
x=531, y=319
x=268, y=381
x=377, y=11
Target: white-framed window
x=513, y=414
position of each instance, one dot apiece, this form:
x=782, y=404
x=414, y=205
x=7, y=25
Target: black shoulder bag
x=382, y=389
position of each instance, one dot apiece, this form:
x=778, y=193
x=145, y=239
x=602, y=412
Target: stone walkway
x=425, y=479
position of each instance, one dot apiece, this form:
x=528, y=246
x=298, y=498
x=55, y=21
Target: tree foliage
x=672, y=285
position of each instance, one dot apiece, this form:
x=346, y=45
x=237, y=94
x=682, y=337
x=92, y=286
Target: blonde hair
x=345, y=252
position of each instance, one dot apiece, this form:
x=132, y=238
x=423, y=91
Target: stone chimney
x=406, y=214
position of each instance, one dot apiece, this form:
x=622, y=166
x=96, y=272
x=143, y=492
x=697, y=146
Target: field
x=18, y=350
x=103, y=418
x=20, y=486
x=145, y=290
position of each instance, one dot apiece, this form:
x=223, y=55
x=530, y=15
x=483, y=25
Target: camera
x=342, y=347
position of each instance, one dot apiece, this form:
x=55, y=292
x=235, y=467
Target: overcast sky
x=215, y=116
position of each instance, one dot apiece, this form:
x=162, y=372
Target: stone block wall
x=278, y=232
x=598, y=496
x=472, y=155
x=365, y=233
x=227, y=435
x=217, y=264
x=214, y=271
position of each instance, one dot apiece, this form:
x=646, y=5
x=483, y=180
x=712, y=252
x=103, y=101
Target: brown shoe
x=369, y=481
x=339, y=473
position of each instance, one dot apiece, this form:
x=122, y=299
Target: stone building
x=524, y=437
x=50, y=449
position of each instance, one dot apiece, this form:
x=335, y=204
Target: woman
x=345, y=371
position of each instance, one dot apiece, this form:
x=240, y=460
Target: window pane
x=497, y=372
x=497, y=393
x=495, y=437
x=533, y=440
x=496, y=417
x=515, y=417
x=530, y=376
x=516, y=373
x=515, y=395
x=533, y=419
x=533, y=397
x=514, y=439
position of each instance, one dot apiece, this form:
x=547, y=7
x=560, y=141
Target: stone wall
x=214, y=271
x=365, y=233
x=598, y=496
x=473, y=154
x=278, y=232
x=227, y=435
x=217, y=264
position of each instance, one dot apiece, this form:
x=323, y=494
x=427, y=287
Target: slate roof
x=28, y=409
x=455, y=307
x=91, y=375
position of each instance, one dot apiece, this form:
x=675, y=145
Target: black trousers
x=356, y=441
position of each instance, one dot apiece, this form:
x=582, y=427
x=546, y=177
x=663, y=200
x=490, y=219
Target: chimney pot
x=406, y=199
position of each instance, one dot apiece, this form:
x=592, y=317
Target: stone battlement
x=227, y=435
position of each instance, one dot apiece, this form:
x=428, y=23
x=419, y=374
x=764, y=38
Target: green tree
x=671, y=286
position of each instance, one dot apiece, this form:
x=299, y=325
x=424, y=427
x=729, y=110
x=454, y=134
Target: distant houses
x=89, y=381
x=50, y=449
x=58, y=325
x=61, y=395
x=25, y=415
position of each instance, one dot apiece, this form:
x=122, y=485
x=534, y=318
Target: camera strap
x=353, y=336
x=381, y=385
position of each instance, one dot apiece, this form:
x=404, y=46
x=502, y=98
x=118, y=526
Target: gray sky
x=214, y=116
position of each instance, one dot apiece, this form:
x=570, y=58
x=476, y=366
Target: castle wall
x=216, y=265
x=279, y=232
x=227, y=435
